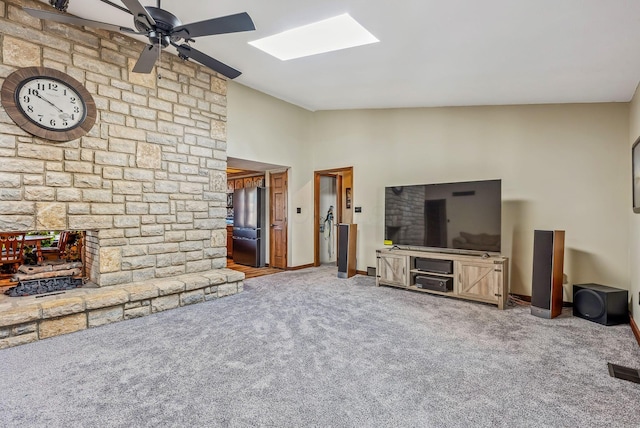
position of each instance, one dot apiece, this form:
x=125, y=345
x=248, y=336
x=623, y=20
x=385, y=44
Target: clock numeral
x=76, y=109
x=40, y=117
x=33, y=92
x=53, y=86
x=73, y=100
x=52, y=122
x=30, y=109
x=64, y=122
x=41, y=86
x=26, y=99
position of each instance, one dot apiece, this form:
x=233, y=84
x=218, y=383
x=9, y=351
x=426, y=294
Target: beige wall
x=634, y=221
x=563, y=167
x=264, y=129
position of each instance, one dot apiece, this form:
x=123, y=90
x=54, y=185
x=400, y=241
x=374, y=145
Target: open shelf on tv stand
x=464, y=276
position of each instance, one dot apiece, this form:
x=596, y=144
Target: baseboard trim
x=299, y=267
x=361, y=272
x=526, y=298
x=523, y=297
x=634, y=328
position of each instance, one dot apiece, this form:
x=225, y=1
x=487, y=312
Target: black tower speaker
x=548, y=260
x=346, y=250
x=601, y=304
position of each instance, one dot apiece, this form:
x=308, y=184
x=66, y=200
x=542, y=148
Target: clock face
x=50, y=103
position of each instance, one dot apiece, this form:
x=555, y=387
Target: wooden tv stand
x=483, y=279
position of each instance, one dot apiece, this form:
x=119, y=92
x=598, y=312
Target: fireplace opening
x=38, y=262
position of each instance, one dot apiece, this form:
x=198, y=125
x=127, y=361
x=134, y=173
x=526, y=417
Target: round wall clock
x=48, y=103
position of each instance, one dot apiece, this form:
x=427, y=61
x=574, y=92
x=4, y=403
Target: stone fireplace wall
x=147, y=183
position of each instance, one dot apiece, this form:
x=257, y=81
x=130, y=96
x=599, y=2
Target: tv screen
x=464, y=216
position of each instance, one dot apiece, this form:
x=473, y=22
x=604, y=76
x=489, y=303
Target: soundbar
x=434, y=265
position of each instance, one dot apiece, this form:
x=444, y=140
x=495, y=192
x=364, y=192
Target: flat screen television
x=457, y=217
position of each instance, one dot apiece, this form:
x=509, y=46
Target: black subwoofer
x=600, y=303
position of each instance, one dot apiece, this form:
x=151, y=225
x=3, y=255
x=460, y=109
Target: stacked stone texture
x=147, y=183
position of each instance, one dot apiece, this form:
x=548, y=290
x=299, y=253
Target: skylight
x=333, y=34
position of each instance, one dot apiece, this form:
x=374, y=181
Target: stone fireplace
x=147, y=183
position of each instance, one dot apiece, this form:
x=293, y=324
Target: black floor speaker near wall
x=601, y=304
x=347, y=250
x=548, y=260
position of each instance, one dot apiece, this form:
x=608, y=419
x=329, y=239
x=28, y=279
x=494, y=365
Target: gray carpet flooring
x=304, y=348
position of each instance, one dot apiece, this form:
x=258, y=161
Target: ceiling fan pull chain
x=159, y=57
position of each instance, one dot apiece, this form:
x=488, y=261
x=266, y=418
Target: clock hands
x=46, y=100
x=63, y=115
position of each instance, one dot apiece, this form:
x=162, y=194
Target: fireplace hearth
x=46, y=278
x=42, y=286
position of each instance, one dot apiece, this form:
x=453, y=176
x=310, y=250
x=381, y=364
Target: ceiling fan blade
x=206, y=60
x=139, y=11
x=68, y=19
x=226, y=24
x=147, y=59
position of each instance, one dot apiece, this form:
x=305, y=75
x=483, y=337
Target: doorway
x=274, y=231
x=328, y=203
x=332, y=187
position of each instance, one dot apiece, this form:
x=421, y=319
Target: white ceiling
x=431, y=52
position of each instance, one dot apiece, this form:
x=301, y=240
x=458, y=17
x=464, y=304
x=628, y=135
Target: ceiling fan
x=163, y=29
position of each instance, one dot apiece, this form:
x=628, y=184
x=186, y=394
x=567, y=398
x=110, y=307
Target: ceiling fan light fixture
x=60, y=5
x=337, y=33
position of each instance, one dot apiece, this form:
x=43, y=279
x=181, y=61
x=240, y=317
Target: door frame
x=339, y=174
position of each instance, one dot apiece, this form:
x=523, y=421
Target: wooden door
x=278, y=220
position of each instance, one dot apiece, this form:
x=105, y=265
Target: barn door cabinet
x=471, y=277
x=392, y=269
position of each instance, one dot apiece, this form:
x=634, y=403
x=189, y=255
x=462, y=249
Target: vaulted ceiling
x=431, y=52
